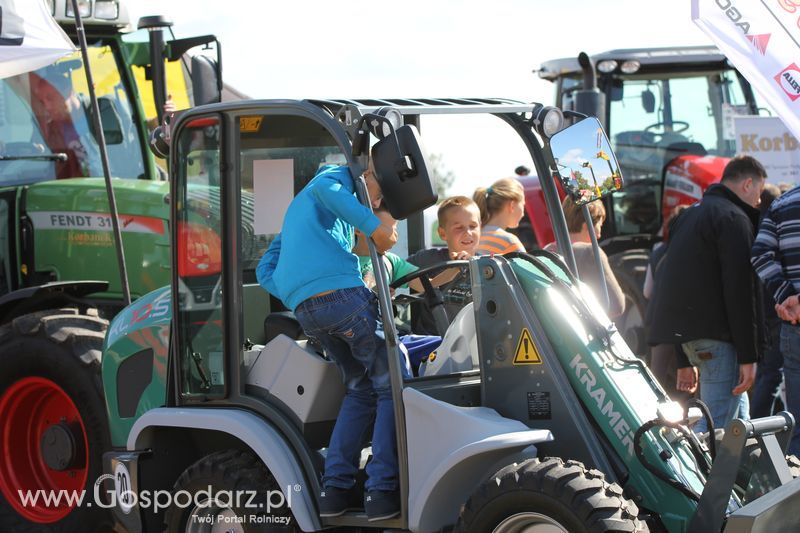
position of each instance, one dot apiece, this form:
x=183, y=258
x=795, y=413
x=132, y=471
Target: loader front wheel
x=548, y=496
x=229, y=491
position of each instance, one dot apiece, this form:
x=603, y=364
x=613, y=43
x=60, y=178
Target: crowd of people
x=723, y=307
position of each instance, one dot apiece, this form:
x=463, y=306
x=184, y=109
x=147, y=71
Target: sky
x=433, y=48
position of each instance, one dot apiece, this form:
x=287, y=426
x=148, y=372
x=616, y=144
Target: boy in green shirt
x=417, y=346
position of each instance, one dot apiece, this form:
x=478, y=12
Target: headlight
x=549, y=121
x=84, y=8
x=630, y=67
x=106, y=9
x=379, y=128
x=607, y=65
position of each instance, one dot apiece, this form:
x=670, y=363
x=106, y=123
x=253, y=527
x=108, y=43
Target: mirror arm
x=587, y=217
x=574, y=114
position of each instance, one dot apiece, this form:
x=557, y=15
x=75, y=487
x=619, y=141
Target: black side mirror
x=648, y=100
x=205, y=81
x=401, y=168
x=112, y=123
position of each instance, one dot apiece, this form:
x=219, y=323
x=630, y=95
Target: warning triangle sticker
x=526, y=353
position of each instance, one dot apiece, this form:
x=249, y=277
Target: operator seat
x=282, y=323
x=459, y=349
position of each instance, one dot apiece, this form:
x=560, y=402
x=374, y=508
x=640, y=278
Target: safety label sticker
x=526, y=353
x=250, y=124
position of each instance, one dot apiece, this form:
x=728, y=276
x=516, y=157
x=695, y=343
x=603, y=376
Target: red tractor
x=669, y=115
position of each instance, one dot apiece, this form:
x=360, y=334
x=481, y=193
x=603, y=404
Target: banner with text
x=762, y=40
x=768, y=140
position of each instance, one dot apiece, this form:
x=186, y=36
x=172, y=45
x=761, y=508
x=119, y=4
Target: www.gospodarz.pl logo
x=209, y=505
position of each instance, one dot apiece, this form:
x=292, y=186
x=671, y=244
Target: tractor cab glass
x=654, y=119
x=585, y=163
x=198, y=255
x=46, y=126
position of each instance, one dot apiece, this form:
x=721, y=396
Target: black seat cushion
x=285, y=323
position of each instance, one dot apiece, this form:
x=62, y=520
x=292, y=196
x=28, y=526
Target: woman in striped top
x=502, y=206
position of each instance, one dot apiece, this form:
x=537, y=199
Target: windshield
x=656, y=118
x=658, y=112
x=45, y=123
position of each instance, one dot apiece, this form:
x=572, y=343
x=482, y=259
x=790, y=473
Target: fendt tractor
x=532, y=415
x=669, y=115
x=59, y=277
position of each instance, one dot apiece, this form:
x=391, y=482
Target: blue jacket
x=313, y=251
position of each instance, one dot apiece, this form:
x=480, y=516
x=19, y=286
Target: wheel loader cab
x=274, y=152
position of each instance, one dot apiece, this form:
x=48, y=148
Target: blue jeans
x=346, y=323
x=790, y=348
x=768, y=374
x=719, y=375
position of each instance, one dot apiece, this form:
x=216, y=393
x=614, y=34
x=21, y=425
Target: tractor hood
x=72, y=232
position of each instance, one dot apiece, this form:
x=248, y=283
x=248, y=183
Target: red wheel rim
x=29, y=407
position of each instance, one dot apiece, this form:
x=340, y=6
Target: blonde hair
x=574, y=214
x=491, y=200
x=448, y=204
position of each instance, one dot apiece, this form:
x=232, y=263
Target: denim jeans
x=345, y=322
x=719, y=375
x=790, y=348
x=768, y=374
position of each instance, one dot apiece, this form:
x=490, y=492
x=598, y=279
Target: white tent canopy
x=29, y=37
x=761, y=40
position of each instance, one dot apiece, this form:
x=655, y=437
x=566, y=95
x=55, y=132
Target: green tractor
x=533, y=415
x=59, y=275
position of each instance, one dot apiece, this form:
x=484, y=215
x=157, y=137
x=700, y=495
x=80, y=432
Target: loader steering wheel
x=432, y=296
x=424, y=274
x=682, y=126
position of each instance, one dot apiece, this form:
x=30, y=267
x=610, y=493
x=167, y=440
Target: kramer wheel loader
x=532, y=415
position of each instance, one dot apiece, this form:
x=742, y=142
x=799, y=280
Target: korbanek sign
x=761, y=40
x=29, y=37
x=768, y=140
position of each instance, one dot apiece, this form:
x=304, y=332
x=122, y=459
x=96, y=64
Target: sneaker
x=334, y=501
x=382, y=505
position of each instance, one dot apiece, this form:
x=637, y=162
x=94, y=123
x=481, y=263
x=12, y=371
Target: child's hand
x=384, y=237
x=459, y=256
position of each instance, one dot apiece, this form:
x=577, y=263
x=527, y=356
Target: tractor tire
x=53, y=423
x=234, y=472
x=750, y=457
x=550, y=492
x=630, y=268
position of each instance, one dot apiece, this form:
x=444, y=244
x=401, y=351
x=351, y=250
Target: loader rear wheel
x=549, y=495
x=53, y=425
x=228, y=491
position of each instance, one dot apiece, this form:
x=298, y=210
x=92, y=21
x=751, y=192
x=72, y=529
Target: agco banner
x=29, y=37
x=762, y=40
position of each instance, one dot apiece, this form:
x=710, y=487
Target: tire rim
x=30, y=407
x=529, y=523
x=206, y=517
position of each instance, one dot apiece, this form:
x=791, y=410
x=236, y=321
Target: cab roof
x=679, y=58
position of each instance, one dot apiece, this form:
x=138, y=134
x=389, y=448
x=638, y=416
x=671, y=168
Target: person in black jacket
x=711, y=302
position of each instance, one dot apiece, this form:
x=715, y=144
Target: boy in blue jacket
x=311, y=268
